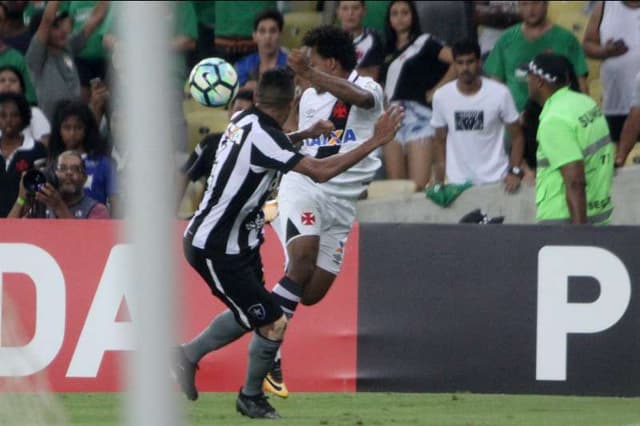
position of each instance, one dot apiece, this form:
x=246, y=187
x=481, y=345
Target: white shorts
x=416, y=123
x=304, y=209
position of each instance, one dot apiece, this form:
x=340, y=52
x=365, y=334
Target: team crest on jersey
x=257, y=311
x=334, y=138
x=234, y=134
x=308, y=218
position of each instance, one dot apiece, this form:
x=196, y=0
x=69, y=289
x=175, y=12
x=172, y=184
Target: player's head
x=534, y=13
x=466, y=60
x=332, y=50
x=242, y=101
x=276, y=92
x=351, y=14
x=547, y=72
x=267, y=29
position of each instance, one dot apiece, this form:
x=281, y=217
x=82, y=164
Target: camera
x=34, y=180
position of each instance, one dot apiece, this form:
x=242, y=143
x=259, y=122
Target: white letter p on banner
x=557, y=317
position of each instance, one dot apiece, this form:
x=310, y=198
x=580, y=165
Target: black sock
x=288, y=294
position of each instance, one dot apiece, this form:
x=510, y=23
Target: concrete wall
x=517, y=208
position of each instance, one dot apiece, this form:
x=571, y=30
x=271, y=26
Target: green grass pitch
x=362, y=409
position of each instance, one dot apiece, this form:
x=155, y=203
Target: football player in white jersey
x=315, y=218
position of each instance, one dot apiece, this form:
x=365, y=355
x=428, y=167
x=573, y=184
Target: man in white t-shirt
x=316, y=218
x=469, y=117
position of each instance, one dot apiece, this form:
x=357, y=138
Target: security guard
x=575, y=154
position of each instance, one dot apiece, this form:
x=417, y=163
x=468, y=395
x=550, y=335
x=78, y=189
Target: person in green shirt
x=520, y=43
x=91, y=61
x=234, y=27
x=10, y=56
x=575, y=154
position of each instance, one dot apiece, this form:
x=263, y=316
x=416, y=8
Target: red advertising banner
x=65, y=315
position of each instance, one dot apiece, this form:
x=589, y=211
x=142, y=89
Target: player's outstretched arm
x=321, y=170
x=319, y=128
x=341, y=88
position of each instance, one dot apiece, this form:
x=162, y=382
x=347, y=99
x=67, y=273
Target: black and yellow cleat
x=274, y=382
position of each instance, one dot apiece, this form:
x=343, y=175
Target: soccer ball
x=213, y=82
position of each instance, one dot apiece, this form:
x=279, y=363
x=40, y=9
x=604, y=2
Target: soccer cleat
x=274, y=382
x=184, y=372
x=255, y=407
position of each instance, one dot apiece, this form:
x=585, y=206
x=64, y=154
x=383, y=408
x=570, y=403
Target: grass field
x=360, y=409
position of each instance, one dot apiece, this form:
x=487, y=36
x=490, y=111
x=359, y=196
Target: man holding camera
x=64, y=199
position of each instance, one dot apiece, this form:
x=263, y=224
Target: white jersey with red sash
x=353, y=125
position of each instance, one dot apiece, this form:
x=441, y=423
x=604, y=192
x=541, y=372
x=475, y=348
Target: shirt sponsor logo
x=469, y=120
x=335, y=138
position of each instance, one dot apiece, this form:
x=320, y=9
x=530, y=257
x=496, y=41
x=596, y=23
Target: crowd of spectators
x=57, y=60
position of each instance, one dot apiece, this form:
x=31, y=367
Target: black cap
x=550, y=67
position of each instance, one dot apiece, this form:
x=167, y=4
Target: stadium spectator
x=11, y=57
x=14, y=31
x=416, y=66
x=67, y=200
x=575, y=153
x=74, y=128
x=520, y=43
x=631, y=128
x=493, y=17
x=267, y=29
x=530, y=118
x=613, y=36
x=51, y=51
x=183, y=40
x=11, y=81
x=18, y=151
x=223, y=239
x=449, y=21
x=470, y=115
x=369, y=48
x=91, y=60
x=234, y=27
x=315, y=218
x=206, y=14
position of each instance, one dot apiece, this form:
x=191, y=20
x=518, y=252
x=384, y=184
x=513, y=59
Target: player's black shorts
x=238, y=281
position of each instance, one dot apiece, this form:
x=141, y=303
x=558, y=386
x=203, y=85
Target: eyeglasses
x=63, y=168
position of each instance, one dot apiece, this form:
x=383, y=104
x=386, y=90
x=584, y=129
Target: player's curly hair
x=332, y=42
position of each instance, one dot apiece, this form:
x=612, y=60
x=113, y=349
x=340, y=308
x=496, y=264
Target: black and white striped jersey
x=253, y=151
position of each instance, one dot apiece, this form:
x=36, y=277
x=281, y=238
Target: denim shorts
x=416, y=124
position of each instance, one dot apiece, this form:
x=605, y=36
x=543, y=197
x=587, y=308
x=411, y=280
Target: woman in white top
x=12, y=81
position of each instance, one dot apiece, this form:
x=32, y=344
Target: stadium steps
x=391, y=188
x=202, y=120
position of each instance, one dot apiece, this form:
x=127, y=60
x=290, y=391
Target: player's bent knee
x=311, y=300
x=275, y=330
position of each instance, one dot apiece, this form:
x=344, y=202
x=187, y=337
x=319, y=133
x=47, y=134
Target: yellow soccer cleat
x=274, y=383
